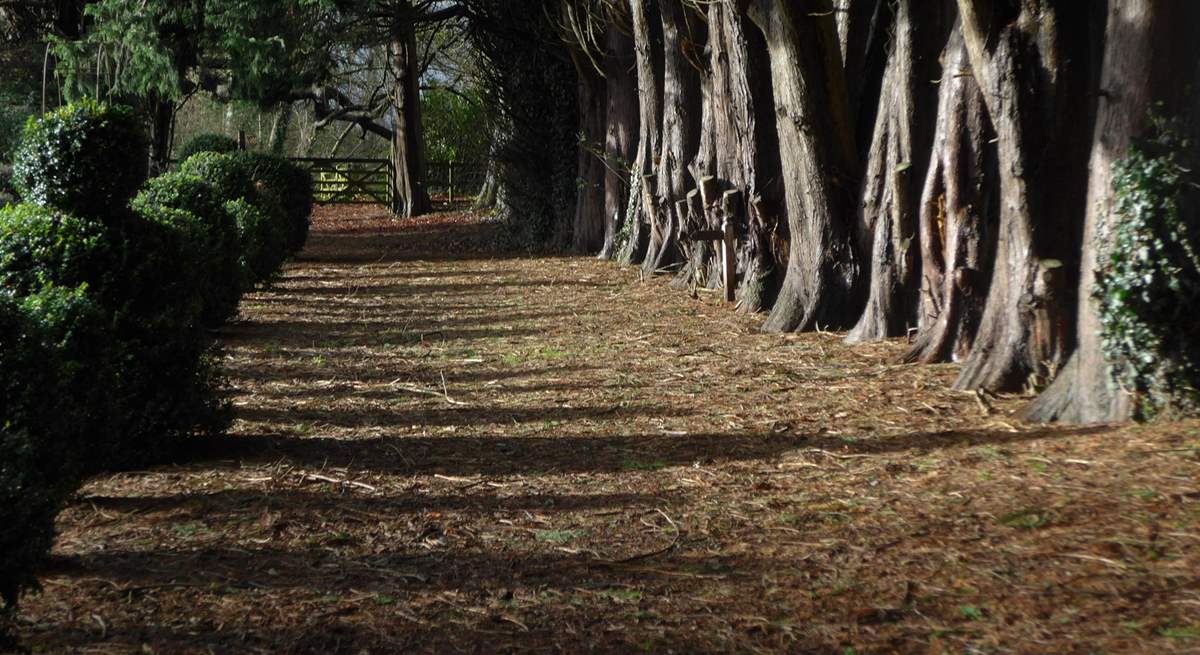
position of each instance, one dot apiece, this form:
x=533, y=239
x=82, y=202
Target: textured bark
x=1030, y=62
x=816, y=153
x=1151, y=59
x=161, y=134
x=647, y=40
x=620, y=144
x=896, y=164
x=683, y=37
x=587, y=232
x=408, y=147
x=957, y=216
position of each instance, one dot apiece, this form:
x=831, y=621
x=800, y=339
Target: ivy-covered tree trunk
x=408, y=148
x=621, y=138
x=1151, y=64
x=957, y=215
x=1029, y=58
x=817, y=155
x=681, y=34
x=647, y=40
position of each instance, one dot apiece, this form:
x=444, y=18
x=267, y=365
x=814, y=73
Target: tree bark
x=647, y=39
x=1150, y=60
x=587, y=233
x=817, y=152
x=163, y=115
x=1029, y=62
x=408, y=147
x=683, y=38
x=620, y=145
x=957, y=216
x=896, y=164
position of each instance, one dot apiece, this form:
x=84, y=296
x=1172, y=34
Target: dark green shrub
x=1148, y=284
x=84, y=158
x=210, y=234
x=291, y=184
x=54, y=366
x=163, y=387
x=262, y=240
x=228, y=175
x=207, y=143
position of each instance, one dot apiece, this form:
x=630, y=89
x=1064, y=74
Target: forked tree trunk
x=620, y=145
x=957, y=216
x=587, y=233
x=816, y=148
x=896, y=164
x=408, y=147
x=682, y=34
x=1032, y=70
x=1151, y=60
x=647, y=41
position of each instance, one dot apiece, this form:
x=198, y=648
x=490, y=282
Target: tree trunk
x=957, y=215
x=683, y=36
x=587, y=233
x=1032, y=69
x=408, y=147
x=817, y=155
x=647, y=39
x=161, y=134
x=280, y=128
x=1150, y=57
x=896, y=165
x=620, y=145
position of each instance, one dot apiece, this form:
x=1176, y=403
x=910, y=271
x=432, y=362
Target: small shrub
x=41, y=246
x=262, y=240
x=1148, y=285
x=210, y=234
x=226, y=174
x=207, y=143
x=86, y=159
x=288, y=182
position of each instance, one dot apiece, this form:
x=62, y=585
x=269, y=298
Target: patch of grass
x=512, y=359
x=970, y=612
x=190, y=529
x=319, y=360
x=638, y=465
x=384, y=600
x=550, y=352
x=1188, y=632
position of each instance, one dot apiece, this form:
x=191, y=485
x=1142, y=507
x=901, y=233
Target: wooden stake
x=729, y=204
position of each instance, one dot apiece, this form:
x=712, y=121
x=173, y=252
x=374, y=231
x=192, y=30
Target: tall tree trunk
x=1151, y=59
x=683, y=37
x=957, y=215
x=620, y=145
x=587, y=233
x=408, y=147
x=163, y=115
x=896, y=165
x=280, y=128
x=1030, y=62
x=647, y=39
x=817, y=156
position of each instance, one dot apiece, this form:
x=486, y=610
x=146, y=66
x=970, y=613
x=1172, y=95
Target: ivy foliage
x=1148, y=286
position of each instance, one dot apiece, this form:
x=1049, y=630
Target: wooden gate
x=350, y=180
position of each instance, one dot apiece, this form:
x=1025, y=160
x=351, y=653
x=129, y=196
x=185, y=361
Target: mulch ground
x=444, y=449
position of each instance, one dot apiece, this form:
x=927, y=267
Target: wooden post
x=450, y=183
x=708, y=195
x=649, y=203
x=729, y=242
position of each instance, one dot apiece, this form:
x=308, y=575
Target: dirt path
x=445, y=451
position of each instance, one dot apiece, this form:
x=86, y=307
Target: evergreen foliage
x=207, y=143
x=1149, y=284
x=87, y=159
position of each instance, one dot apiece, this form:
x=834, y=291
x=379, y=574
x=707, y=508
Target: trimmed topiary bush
x=288, y=182
x=207, y=143
x=228, y=175
x=1148, y=284
x=210, y=234
x=55, y=361
x=86, y=159
x=262, y=239
x=41, y=246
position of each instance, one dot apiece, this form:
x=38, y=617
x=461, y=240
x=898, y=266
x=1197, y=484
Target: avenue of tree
x=938, y=169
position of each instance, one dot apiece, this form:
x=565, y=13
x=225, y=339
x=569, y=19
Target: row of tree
x=938, y=168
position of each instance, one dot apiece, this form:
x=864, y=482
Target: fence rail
x=350, y=180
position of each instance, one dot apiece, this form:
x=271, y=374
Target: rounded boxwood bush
x=54, y=374
x=84, y=158
x=207, y=142
x=288, y=182
x=262, y=239
x=210, y=234
x=42, y=245
x=228, y=175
